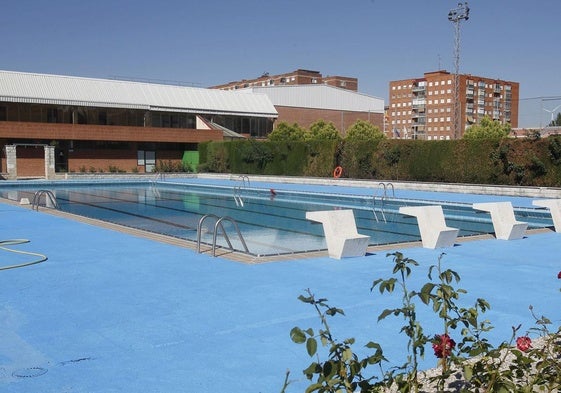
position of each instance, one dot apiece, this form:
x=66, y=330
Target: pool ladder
x=238, y=189
x=50, y=198
x=218, y=225
x=159, y=176
x=383, y=197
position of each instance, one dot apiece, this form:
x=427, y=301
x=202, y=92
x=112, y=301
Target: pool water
x=271, y=223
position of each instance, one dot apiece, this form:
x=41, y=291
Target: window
x=52, y=115
x=147, y=159
x=3, y=113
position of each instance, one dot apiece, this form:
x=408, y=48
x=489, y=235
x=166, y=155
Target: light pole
x=455, y=16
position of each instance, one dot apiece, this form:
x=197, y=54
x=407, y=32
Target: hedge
x=528, y=162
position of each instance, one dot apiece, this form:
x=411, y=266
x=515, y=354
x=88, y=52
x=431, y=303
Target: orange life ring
x=337, y=172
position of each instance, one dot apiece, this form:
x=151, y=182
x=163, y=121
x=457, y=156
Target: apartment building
x=423, y=108
x=304, y=97
x=298, y=77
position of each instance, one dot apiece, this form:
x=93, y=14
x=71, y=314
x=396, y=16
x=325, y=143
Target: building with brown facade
x=53, y=123
x=306, y=104
x=423, y=108
x=298, y=77
x=304, y=97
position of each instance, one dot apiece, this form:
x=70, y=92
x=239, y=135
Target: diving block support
x=341, y=235
x=554, y=206
x=505, y=224
x=432, y=225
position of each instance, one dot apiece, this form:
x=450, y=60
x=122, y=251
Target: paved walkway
x=112, y=312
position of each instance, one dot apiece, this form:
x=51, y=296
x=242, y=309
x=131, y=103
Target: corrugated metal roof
x=320, y=97
x=69, y=90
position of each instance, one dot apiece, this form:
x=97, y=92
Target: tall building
x=423, y=108
x=304, y=97
x=298, y=77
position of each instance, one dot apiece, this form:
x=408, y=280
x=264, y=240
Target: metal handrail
x=238, y=196
x=383, y=197
x=159, y=176
x=217, y=225
x=199, y=229
x=48, y=194
x=243, y=179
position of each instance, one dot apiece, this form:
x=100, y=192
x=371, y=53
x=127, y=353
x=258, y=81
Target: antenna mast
x=455, y=16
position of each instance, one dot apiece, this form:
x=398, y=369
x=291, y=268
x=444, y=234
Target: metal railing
x=384, y=187
x=218, y=225
x=49, y=198
x=238, y=189
x=159, y=176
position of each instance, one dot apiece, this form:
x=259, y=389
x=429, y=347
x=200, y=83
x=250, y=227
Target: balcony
x=418, y=108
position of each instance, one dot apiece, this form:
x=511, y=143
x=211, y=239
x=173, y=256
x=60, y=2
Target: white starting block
x=505, y=224
x=554, y=206
x=432, y=225
x=341, y=235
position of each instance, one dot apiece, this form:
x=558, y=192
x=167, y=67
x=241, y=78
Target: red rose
x=523, y=343
x=443, y=345
x=559, y=275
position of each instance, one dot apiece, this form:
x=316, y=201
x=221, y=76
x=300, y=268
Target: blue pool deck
x=112, y=312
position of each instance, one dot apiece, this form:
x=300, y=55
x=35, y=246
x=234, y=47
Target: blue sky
x=212, y=42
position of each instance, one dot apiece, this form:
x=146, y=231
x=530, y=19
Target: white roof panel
x=320, y=97
x=68, y=90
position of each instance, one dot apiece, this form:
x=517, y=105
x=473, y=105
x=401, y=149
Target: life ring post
x=337, y=172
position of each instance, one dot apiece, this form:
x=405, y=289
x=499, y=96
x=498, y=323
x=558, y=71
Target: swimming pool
x=270, y=222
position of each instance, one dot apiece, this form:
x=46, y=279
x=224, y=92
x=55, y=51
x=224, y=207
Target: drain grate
x=30, y=372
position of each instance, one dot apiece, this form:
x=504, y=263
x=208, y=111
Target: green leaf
x=425, y=294
x=384, y=314
x=311, y=346
x=306, y=299
x=347, y=354
x=328, y=369
x=297, y=335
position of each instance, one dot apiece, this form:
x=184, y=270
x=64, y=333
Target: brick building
x=82, y=124
x=306, y=104
x=423, y=108
x=298, y=77
x=304, y=97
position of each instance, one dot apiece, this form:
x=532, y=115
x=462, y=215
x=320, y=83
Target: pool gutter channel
x=237, y=256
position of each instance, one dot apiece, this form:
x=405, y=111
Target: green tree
x=487, y=129
x=286, y=132
x=322, y=130
x=362, y=130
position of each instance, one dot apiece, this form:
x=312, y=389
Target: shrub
x=467, y=362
